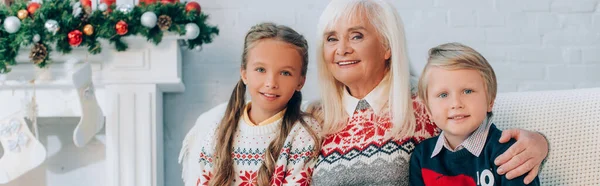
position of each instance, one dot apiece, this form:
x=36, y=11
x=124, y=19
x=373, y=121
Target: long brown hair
x=223, y=169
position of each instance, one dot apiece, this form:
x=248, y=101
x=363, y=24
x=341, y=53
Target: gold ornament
x=38, y=53
x=88, y=30
x=22, y=14
x=164, y=22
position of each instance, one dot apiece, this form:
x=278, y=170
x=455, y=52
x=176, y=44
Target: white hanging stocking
x=92, y=118
x=22, y=151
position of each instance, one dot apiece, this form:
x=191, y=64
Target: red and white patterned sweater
x=361, y=155
x=293, y=167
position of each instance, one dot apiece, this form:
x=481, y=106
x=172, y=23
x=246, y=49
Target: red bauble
x=75, y=37
x=32, y=7
x=147, y=2
x=108, y=2
x=121, y=28
x=86, y=3
x=192, y=6
x=168, y=1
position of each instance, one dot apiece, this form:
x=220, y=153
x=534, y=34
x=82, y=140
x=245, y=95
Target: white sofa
x=570, y=119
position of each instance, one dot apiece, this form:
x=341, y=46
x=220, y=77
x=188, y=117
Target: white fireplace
x=130, y=85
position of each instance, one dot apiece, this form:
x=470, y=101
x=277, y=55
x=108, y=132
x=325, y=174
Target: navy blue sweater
x=461, y=167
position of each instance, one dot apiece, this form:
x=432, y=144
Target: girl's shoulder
x=303, y=135
x=311, y=123
x=201, y=135
x=207, y=122
x=211, y=116
x=314, y=109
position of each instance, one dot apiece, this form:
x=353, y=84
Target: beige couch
x=570, y=119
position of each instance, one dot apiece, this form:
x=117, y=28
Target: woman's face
x=354, y=53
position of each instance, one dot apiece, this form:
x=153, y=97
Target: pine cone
x=87, y=11
x=164, y=22
x=38, y=53
x=86, y=16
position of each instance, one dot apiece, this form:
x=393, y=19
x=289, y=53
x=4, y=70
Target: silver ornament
x=149, y=19
x=77, y=11
x=52, y=26
x=192, y=31
x=102, y=7
x=198, y=48
x=125, y=8
x=12, y=24
x=36, y=38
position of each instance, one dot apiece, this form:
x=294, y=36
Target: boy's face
x=457, y=101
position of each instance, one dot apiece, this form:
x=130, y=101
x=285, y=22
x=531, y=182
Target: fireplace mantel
x=129, y=88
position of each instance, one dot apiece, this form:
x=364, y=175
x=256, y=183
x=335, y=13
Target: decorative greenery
x=102, y=22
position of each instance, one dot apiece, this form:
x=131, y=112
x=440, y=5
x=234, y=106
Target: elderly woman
x=370, y=117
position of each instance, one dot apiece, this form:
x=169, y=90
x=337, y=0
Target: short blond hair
x=456, y=56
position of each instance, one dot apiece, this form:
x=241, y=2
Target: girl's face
x=273, y=73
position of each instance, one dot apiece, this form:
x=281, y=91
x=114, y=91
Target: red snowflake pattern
x=305, y=177
x=278, y=176
x=206, y=175
x=248, y=178
x=362, y=127
x=423, y=122
x=365, y=128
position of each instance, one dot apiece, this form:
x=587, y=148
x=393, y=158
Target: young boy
x=458, y=88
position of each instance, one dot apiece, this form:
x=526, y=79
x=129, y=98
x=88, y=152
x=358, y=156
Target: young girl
x=268, y=141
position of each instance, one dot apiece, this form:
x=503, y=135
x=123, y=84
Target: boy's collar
x=474, y=143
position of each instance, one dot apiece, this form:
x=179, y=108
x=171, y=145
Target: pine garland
x=103, y=24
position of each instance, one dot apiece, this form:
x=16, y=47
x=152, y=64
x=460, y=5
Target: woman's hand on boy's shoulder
x=524, y=157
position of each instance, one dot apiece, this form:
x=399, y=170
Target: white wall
x=532, y=45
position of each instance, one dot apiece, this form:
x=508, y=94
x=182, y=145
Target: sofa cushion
x=570, y=120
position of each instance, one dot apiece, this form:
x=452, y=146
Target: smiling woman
x=371, y=120
x=357, y=55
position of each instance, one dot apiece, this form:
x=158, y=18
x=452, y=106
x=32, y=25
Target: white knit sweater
x=293, y=167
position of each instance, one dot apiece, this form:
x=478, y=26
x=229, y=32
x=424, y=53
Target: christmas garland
x=66, y=24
